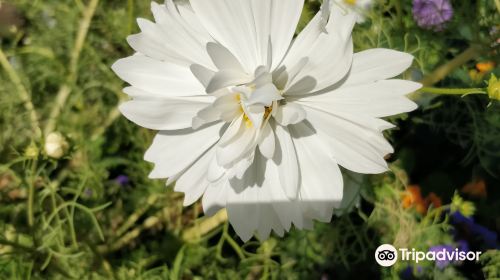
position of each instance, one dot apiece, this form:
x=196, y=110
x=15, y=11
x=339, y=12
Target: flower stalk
x=23, y=93
x=207, y=225
x=443, y=71
x=453, y=91
x=65, y=90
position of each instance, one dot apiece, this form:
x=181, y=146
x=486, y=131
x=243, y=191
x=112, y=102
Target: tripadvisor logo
x=387, y=255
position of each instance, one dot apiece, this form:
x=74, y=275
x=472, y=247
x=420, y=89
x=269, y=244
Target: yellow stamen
x=350, y=2
x=247, y=120
x=268, y=112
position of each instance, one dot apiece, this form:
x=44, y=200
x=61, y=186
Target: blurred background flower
x=359, y=7
x=432, y=14
x=122, y=180
x=439, y=248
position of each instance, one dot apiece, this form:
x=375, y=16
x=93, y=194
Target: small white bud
x=55, y=145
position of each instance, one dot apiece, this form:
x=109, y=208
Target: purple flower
x=122, y=180
x=432, y=14
x=439, y=248
x=489, y=237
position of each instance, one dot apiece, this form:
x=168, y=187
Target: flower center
x=350, y=2
x=256, y=102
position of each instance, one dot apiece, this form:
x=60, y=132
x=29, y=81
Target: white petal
x=283, y=75
x=291, y=113
x=229, y=22
x=264, y=96
x=241, y=167
x=262, y=77
x=267, y=141
x=286, y=160
x=157, y=77
x=229, y=106
x=354, y=146
x=250, y=206
x=237, y=148
x=285, y=17
x=233, y=130
x=153, y=48
x=180, y=32
x=321, y=186
x=176, y=37
x=206, y=115
x=287, y=211
x=223, y=58
x=377, y=64
x=137, y=93
x=164, y=113
x=243, y=209
x=255, y=114
x=302, y=44
x=329, y=54
x=378, y=99
x=226, y=78
x=268, y=221
x=203, y=74
x=173, y=151
x=215, y=171
x=245, y=27
x=193, y=182
x=215, y=196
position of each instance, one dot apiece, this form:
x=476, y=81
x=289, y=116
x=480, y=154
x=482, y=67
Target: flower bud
x=494, y=88
x=31, y=151
x=458, y=204
x=55, y=145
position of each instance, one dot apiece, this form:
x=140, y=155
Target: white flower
x=358, y=7
x=254, y=121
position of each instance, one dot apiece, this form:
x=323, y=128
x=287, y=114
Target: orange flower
x=433, y=199
x=413, y=197
x=485, y=66
x=476, y=189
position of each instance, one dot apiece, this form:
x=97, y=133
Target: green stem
x=58, y=218
x=136, y=215
x=31, y=194
x=234, y=245
x=17, y=245
x=399, y=12
x=207, y=225
x=66, y=88
x=453, y=91
x=130, y=14
x=443, y=71
x=23, y=93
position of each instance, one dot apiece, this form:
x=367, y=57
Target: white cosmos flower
x=255, y=121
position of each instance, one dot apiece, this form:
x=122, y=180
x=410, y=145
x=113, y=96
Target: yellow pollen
x=268, y=112
x=350, y=2
x=248, y=122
